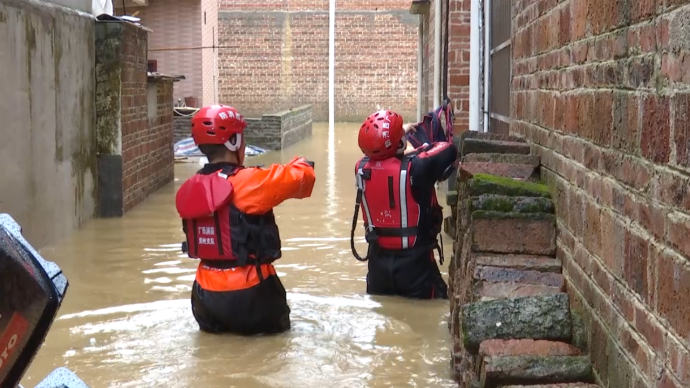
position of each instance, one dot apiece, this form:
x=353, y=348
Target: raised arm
x=432, y=161
x=258, y=190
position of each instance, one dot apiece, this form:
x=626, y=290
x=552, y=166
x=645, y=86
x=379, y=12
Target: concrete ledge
x=280, y=130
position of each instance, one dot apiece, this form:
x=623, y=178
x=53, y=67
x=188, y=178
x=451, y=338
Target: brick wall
x=133, y=120
x=280, y=130
x=182, y=126
x=178, y=24
x=459, y=62
x=602, y=91
x=148, y=159
x=275, y=57
x=458, y=58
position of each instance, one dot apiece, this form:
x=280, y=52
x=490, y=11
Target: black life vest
x=393, y=220
x=216, y=230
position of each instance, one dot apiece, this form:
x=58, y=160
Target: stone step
x=506, y=370
x=481, y=146
x=531, y=160
x=536, y=317
x=524, y=347
x=521, y=233
x=491, y=184
x=489, y=136
x=519, y=204
x=535, y=278
x=513, y=171
x=520, y=262
x=486, y=291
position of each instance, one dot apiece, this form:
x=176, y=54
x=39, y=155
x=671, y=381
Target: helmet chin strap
x=237, y=145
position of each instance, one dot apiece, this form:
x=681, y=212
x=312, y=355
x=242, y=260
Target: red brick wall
x=277, y=57
x=602, y=90
x=147, y=155
x=459, y=62
x=458, y=59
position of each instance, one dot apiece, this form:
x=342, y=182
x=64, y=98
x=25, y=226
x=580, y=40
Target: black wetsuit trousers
x=260, y=309
x=411, y=274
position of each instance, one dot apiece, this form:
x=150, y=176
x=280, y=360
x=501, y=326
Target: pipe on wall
x=475, y=62
x=420, y=69
x=487, y=62
x=437, y=52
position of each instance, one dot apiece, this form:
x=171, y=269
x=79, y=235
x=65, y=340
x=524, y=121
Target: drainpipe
x=437, y=53
x=420, y=69
x=487, y=62
x=474, y=66
x=331, y=64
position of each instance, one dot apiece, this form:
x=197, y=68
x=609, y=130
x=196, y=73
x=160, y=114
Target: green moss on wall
x=108, y=86
x=487, y=214
x=493, y=184
x=503, y=203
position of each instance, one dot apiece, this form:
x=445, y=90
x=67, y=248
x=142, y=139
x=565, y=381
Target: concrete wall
x=79, y=5
x=134, y=120
x=47, y=152
x=275, y=57
x=602, y=92
x=279, y=130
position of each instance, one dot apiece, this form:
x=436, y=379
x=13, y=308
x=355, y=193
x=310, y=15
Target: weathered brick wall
x=182, y=126
x=152, y=158
x=459, y=62
x=280, y=130
x=133, y=120
x=275, y=57
x=601, y=90
x=134, y=117
x=458, y=59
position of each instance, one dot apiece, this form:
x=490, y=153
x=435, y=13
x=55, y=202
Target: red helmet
x=382, y=135
x=216, y=124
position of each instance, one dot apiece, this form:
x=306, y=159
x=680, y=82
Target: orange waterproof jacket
x=257, y=191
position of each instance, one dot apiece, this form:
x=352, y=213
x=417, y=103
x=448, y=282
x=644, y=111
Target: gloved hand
x=305, y=160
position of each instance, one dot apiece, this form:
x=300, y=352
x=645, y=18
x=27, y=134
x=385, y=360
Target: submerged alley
x=563, y=225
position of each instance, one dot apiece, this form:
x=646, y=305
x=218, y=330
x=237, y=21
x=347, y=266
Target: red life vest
x=216, y=230
x=391, y=215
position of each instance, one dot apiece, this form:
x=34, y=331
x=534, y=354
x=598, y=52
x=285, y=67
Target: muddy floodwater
x=127, y=321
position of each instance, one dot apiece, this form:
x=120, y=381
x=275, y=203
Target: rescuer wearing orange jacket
x=228, y=221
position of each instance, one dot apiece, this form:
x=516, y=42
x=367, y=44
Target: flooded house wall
x=135, y=131
x=48, y=178
x=274, y=56
x=601, y=91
